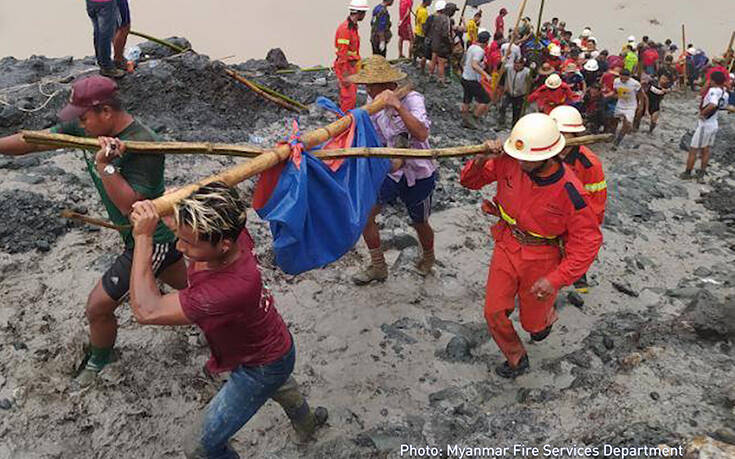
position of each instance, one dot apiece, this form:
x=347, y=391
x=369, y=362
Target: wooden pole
x=233, y=176
x=92, y=221
x=154, y=148
x=729, y=45
x=273, y=93
x=452, y=152
x=684, y=49
x=540, y=17
x=176, y=48
x=512, y=42
x=262, y=93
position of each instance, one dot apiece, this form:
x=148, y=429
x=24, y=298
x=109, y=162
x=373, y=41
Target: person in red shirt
x=586, y=165
x=553, y=93
x=405, y=29
x=347, y=45
x=500, y=22
x=650, y=59
x=542, y=207
x=717, y=66
x=226, y=298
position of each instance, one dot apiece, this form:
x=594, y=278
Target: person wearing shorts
x=707, y=125
x=121, y=35
x=626, y=90
x=419, y=42
x=657, y=89
x=121, y=178
x=472, y=75
x=402, y=123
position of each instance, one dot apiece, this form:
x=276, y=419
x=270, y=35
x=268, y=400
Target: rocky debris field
x=645, y=359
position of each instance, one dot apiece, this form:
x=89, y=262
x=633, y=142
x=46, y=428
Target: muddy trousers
x=247, y=389
x=510, y=277
x=347, y=90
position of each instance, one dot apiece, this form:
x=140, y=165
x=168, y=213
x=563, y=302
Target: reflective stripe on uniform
x=343, y=41
x=512, y=221
x=595, y=187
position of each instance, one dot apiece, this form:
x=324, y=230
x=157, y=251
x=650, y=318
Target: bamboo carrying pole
x=165, y=148
x=233, y=176
x=274, y=93
x=512, y=42
x=452, y=152
x=161, y=148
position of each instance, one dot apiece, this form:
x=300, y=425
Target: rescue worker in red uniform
x=547, y=237
x=553, y=93
x=586, y=165
x=347, y=45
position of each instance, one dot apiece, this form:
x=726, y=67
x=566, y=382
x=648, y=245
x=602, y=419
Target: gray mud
x=647, y=360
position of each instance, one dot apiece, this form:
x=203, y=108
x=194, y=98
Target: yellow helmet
x=535, y=137
x=568, y=119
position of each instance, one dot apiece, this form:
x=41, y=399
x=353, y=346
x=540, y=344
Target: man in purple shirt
x=402, y=124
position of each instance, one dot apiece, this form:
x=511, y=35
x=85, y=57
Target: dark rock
x=394, y=332
x=711, y=320
x=724, y=435
x=24, y=163
x=27, y=218
x=452, y=393
x=608, y=343
x=5, y=404
x=20, y=346
x=684, y=292
x=384, y=412
x=655, y=396
x=30, y=179
x=702, y=272
x=624, y=288
x=401, y=240
x=277, y=58
x=43, y=246
x=458, y=349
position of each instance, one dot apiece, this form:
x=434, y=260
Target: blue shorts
x=610, y=106
x=417, y=198
x=123, y=11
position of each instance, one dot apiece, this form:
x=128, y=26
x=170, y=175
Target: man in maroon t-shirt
x=226, y=298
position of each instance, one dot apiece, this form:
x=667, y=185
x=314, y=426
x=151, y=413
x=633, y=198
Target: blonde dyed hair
x=214, y=212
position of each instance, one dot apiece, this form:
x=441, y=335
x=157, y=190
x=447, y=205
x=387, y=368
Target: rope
x=41, y=85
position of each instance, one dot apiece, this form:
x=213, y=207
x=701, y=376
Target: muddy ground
x=647, y=360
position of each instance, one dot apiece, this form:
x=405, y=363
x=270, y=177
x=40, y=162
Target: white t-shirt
x=474, y=54
x=717, y=97
x=627, y=93
x=515, y=52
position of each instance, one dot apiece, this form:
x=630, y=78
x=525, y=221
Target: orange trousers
x=347, y=90
x=510, y=277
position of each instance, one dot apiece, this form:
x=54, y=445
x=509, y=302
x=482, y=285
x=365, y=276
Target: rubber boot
x=686, y=175
x=509, y=372
x=581, y=285
x=94, y=361
x=426, y=262
x=303, y=419
x=376, y=271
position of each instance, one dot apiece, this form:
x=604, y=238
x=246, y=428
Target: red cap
x=88, y=93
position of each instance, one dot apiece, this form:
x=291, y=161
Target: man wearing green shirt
x=631, y=59
x=121, y=179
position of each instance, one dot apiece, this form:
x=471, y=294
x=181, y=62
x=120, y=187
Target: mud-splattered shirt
x=236, y=312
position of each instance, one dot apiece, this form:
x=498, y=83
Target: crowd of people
x=550, y=199
x=529, y=71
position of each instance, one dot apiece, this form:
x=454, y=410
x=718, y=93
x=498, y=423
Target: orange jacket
x=347, y=44
x=548, y=99
x=554, y=206
x=588, y=169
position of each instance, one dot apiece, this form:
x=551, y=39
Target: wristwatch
x=109, y=170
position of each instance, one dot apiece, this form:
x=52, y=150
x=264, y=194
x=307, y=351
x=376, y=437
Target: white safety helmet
x=535, y=137
x=586, y=33
x=553, y=81
x=555, y=51
x=578, y=42
x=440, y=5
x=592, y=39
x=592, y=65
x=631, y=39
x=359, y=5
x=568, y=119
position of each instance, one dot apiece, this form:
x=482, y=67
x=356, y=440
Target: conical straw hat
x=376, y=70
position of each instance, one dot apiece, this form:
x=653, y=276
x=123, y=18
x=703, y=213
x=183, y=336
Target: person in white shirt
x=472, y=75
x=704, y=137
x=626, y=90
